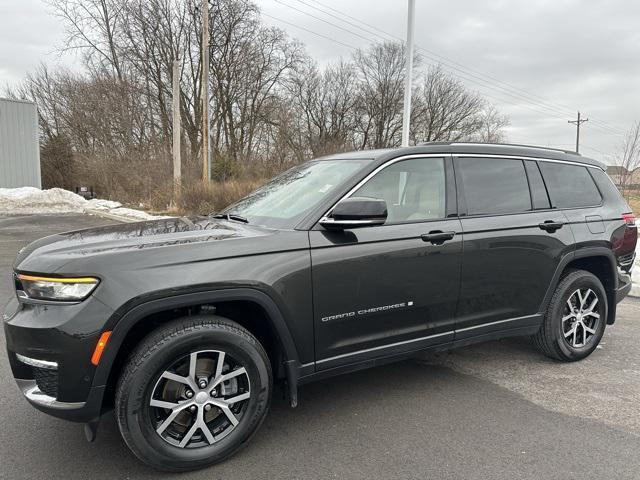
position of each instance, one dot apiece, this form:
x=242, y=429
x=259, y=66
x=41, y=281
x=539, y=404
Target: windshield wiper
x=231, y=216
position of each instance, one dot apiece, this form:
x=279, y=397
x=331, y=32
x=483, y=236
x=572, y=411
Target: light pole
x=406, y=114
x=204, y=93
x=175, y=104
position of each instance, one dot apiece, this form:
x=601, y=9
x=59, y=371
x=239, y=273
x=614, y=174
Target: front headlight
x=55, y=289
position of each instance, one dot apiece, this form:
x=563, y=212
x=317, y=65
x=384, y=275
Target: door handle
x=437, y=237
x=550, y=225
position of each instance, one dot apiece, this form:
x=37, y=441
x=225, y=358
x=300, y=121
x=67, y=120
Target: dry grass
x=201, y=198
x=198, y=198
x=634, y=203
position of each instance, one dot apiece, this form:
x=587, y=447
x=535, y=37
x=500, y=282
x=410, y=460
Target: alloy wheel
x=199, y=399
x=581, y=317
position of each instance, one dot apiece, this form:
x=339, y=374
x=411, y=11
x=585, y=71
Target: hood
x=50, y=254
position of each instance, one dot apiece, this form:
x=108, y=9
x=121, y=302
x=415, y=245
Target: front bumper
x=84, y=412
x=50, y=348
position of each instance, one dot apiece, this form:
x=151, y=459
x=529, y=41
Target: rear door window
x=494, y=185
x=570, y=186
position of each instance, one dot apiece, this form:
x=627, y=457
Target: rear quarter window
x=609, y=190
x=570, y=186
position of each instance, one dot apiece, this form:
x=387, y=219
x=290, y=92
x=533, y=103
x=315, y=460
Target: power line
x=509, y=89
x=311, y=31
x=569, y=109
x=353, y=47
x=461, y=74
x=484, y=93
x=465, y=75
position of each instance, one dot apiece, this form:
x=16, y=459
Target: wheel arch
x=139, y=320
x=599, y=261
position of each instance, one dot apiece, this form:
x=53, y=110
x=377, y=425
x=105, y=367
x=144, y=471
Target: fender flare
x=136, y=313
x=586, y=252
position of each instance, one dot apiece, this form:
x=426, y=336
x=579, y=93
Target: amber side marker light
x=102, y=342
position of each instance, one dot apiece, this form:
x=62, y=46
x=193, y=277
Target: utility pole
x=406, y=114
x=577, y=123
x=175, y=101
x=204, y=92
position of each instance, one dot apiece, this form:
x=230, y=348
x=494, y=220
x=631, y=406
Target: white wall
x=19, y=144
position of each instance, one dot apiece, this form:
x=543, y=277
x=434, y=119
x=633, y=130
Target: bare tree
x=249, y=61
x=326, y=103
x=271, y=106
x=492, y=125
x=630, y=156
x=91, y=26
x=444, y=109
x=380, y=94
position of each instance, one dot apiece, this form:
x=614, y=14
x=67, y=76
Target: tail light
x=629, y=219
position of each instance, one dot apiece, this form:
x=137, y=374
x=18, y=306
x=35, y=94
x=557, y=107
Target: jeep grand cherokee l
x=345, y=262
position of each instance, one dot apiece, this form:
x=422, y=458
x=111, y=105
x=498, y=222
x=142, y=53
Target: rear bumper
x=624, y=286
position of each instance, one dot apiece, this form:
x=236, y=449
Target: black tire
x=163, y=348
x=550, y=339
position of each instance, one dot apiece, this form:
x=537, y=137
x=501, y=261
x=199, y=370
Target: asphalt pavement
x=497, y=410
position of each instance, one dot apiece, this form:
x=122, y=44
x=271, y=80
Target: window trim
x=544, y=185
x=447, y=173
x=520, y=157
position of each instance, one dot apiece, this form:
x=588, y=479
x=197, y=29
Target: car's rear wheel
x=192, y=393
x=575, y=319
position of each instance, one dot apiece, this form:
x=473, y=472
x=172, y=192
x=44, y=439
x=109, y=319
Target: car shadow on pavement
x=402, y=420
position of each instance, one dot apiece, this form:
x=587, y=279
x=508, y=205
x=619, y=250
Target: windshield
x=286, y=199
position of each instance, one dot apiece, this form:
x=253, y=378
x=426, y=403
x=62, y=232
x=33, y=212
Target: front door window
x=413, y=189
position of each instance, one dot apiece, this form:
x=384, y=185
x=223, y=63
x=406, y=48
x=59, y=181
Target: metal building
x=19, y=144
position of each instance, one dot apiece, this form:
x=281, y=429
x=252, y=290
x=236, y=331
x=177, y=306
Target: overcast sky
x=554, y=56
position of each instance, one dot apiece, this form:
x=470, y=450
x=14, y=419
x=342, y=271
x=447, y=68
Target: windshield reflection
x=284, y=201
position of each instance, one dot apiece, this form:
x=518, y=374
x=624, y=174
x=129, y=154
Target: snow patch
x=31, y=200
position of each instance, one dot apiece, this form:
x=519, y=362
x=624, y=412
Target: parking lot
x=496, y=410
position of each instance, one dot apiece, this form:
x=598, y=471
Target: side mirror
x=356, y=212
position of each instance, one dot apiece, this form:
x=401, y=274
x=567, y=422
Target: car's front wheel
x=192, y=393
x=575, y=319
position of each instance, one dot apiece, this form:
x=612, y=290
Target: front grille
x=47, y=380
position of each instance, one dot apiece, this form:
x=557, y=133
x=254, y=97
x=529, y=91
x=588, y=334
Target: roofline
x=466, y=149
x=17, y=100
x=517, y=145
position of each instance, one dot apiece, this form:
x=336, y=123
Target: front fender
x=135, y=314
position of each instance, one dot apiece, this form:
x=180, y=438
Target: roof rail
x=569, y=152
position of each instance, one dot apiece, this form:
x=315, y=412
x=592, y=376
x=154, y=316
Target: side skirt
x=518, y=327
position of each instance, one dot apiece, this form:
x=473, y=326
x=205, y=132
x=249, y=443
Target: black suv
x=342, y=263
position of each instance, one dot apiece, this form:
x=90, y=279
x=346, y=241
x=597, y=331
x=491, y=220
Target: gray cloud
x=575, y=54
